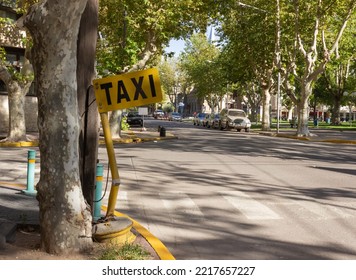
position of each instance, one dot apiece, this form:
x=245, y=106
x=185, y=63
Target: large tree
x=339, y=75
x=200, y=61
x=313, y=39
x=17, y=79
x=249, y=32
x=65, y=218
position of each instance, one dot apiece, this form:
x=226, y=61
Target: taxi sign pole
x=119, y=92
x=113, y=166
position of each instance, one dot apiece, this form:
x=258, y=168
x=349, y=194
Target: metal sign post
x=121, y=92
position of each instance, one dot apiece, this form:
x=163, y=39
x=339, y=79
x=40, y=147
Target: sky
x=176, y=46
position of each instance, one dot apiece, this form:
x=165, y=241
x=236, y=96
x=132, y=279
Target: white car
x=234, y=118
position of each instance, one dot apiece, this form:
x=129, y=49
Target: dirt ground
x=26, y=246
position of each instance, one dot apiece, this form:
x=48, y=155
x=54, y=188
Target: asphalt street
x=226, y=195
x=211, y=194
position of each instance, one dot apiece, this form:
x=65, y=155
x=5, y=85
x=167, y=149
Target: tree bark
x=115, y=123
x=65, y=219
x=266, y=100
x=303, y=110
x=88, y=111
x=16, y=100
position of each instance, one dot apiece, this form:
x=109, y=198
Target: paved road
x=225, y=195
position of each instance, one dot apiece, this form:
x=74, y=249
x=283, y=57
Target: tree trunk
x=335, y=117
x=16, y=100
x=266, y=100
x=303, y=110
x=115, y=124
x=88, y=111
x=65, y=219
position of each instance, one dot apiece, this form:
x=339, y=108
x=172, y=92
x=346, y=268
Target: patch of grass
x=124, y=252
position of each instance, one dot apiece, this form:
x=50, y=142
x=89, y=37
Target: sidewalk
x=17, y=208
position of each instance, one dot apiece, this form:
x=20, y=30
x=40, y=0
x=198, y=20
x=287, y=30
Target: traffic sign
x=128, y=90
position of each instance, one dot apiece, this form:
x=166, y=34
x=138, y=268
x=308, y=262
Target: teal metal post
x=31, y=160
x=98, y=191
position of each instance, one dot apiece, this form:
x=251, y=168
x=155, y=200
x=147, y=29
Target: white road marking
x=180, y=204
x=251, y=208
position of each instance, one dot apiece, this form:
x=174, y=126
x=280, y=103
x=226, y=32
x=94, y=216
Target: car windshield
x=175, y=114
x=237, y=113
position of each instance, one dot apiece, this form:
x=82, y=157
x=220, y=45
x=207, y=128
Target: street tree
x=65, y=217
x=312, y=37
x=339, y=75
x=134, y=33
x=171, y=79
x=17, y=78
x=200, y=61
x=249, y=31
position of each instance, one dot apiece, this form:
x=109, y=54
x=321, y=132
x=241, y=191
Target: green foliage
x=201, y=63
x=124, y=125
x=168, y=108
x=2, y=55
x=131, y=31
x=248, y=33
x=125, y=252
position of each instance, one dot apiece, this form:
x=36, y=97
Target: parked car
x=158, y=114
x=234, y=118
x=174, y=116
x=213, y=120
x=133, y=118
x=199, y=119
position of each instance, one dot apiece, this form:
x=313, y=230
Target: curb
x=133, y=139
x=19, y=144
x=334, y=141
x=156, y=244
x=138, y=140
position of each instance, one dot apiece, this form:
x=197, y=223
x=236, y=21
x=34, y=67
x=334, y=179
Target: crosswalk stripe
x=251, y=208
x=181, y=204
x=324, y=212
x=122, y=200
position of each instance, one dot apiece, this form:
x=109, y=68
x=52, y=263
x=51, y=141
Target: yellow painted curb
x=19, y=144
x=155, y=243
x=12, y=185
x=339, y=141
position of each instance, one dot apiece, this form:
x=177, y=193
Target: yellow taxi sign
x=128, y=90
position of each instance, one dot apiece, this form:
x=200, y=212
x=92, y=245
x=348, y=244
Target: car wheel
x=238, y=130
x=247, y=129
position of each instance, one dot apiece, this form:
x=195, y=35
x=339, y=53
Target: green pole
x=98, y=191
x=31, y=160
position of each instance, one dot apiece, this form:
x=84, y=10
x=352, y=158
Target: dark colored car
x=133, y=118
